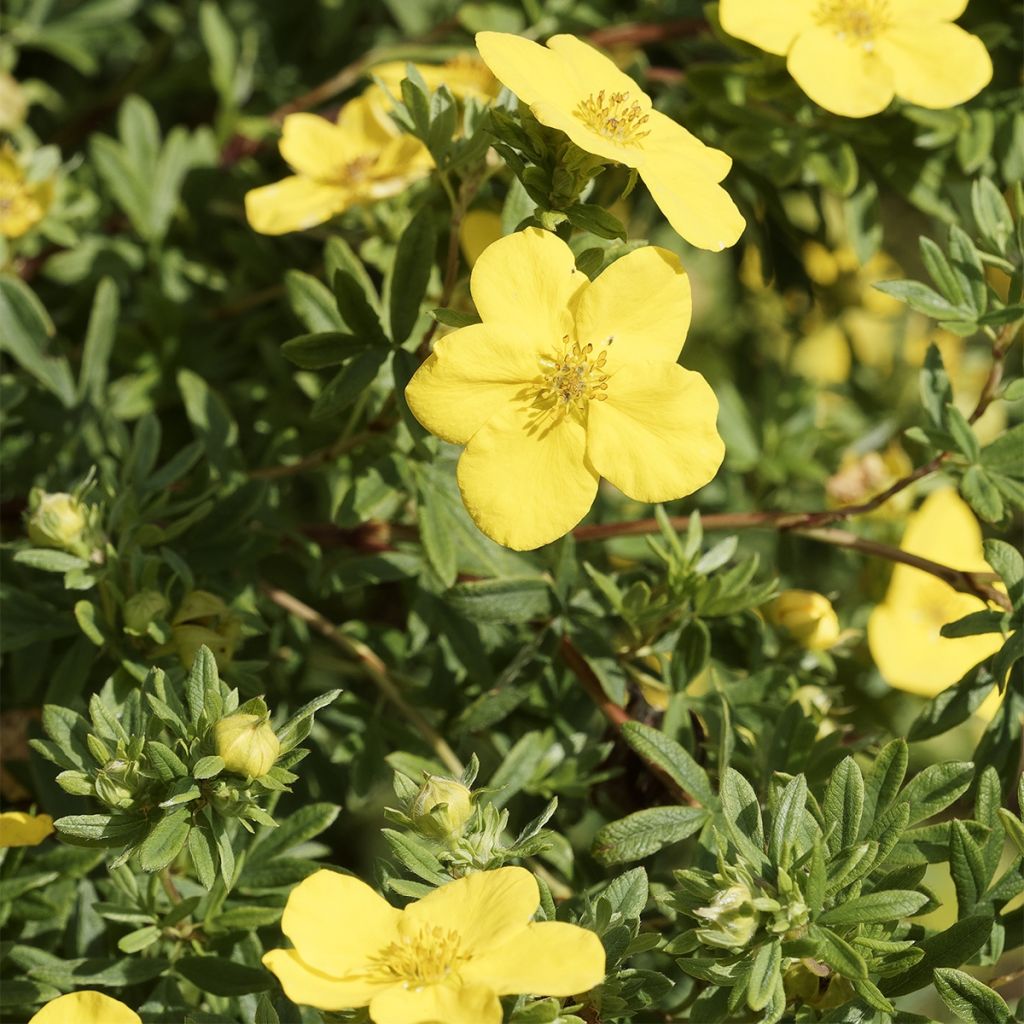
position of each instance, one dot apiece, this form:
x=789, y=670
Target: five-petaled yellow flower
x=566, y=381
x=359, y=160
x=86, y=1007
x=20, y=829
x=23, y=203
x=570, y=86
x=903, y=631
x=445, y=958
x=853, y=56
x=466, y=77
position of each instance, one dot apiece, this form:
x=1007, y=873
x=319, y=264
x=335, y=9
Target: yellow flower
x=860, y=477
x=20, y=829
x=903, y=631
x=571, y=86
x=85, y=1008
x=566, y=381
x=442, y=808
x=478, y=230
x=445, y=958
x=359, y=160
x=13, y=103
x=247, y=743
x=23, y=203
x=466, y=76
x=853, y=56
x=807, y=616
x=823, y=356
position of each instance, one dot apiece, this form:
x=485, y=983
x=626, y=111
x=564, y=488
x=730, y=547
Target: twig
x=372, y=666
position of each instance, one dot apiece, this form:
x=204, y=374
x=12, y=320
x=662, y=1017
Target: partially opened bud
x=442, y=807
x=57, y=521
x=808, y=617
x=247, y=744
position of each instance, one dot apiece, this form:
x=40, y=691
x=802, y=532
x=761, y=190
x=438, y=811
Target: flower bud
x=115, y=783
x=732, y=919
x=142, y=608
x=442, y=807
x=57, y=521
x=247, y=744
x=808, y=617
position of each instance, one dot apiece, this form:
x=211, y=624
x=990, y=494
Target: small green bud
x=142, y=608
x=247, y=744
x=732, y=919
x=442, y=808
x=58, y=521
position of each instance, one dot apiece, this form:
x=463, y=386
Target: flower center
x=857, y=22
x=616, y=116
x=427, y=957
x=574, y=377
x=354, y=171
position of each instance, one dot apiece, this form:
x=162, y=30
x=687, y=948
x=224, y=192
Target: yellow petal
x=935, y=65
x=652, y=328
x=823, y=356
x=908, y=649
x=669, y=141
x=436, y=1004
x=525, y=477
x=697, y=208
x=312, y=920
x=528, y=281
x=945, y=529
x=472, y=374
x=401, y=160
x=771, y=26
x=485, y=909
x=85, y=1008
x=314, y=147
x=525, y=67
x=655, y=437
x=545, y=959
x=293, y=204
x=592, y=71
x=478, y=230
x=840, y=75
x=20, y=829
x=365, y=123
x=309, y=987
x=925, y=10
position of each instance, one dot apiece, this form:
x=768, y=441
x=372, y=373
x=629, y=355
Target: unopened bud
x=247, y=744
x=58, y=521
x=142, y=608
x=808, y=617
x=114, y=784
x=732, y=919
x=442, y=807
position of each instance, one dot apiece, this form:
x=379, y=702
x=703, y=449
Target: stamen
x=425, y=958
x=616, y=116
x=576, y=376
x=857, y=22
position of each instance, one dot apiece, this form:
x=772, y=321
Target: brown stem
x=372, y=665
x=616, y=717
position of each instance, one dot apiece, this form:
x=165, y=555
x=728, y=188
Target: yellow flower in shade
x=23, y=203
x=566, y=381
x=808, y=617
x=445, y=958
x=571, y=86
x=13, y=103
x=359, y=160
x=20, y=829
x=903, y=631
x=853, y=56
x=479, y=229
x=466, y=76
x=85, y=1008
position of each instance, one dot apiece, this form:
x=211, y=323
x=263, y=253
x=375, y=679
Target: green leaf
x=628, y=893
x=99, y=342
x=407, y=283
x=981, y=494
x=941, y=272
x=208, y=767
x=312, y=302
x=969, y=271
x=50, y=560
x=969, y=999
x=924, y=299
x=416, y=855
x=454, y=317
x=222, y=977
x=202, y=679
x=203, y=852
x=166, y=840
x=673, y=759
x=765, y=974
x=356, y=312
x=991, y=214
x=936, y=787
x=936, y=393
x=298, y=827
x=961, y=432
x=788, y=821
x=99, y=829
x=883, y=781
x=510, y=599
x=164, y=761
x=349, y=383
x=843, y=804
x=297, y=728
x=949, y=948
x=742, y=814
x=877, y=906
x=967, y=866
x=1003, y=455
x=838, y=953
x=645, y=832
x=328, y=348
x=596, y=220
x=222, y=48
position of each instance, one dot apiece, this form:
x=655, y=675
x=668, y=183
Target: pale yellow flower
x=444, y=959
x=361, y=159
x=13, y=103
x=904, y=631
x=20, y=829
x=853, y=56
x=823, y=356
x=85, y=1008
x=571, y=86
x=478, y=230
x=247, y=743
x=806, y=616
x=23, y=203
x=466, y=76
x=565, y=381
